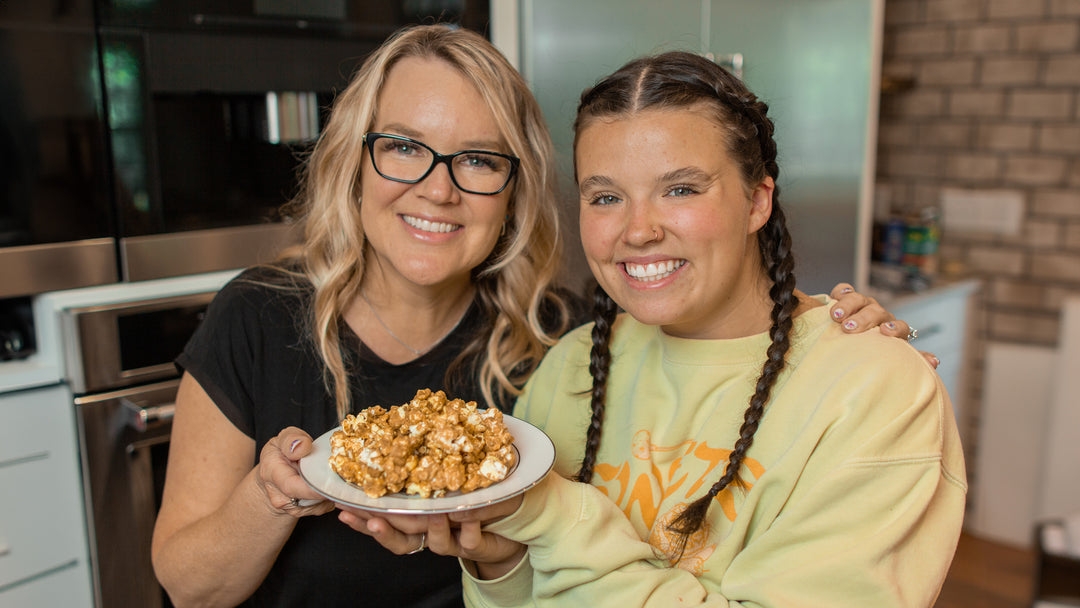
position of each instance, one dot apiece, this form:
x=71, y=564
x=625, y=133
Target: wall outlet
x=984, y=211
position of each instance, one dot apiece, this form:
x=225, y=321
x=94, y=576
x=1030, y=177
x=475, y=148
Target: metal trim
x=32, y=269
x=182, y=253
x=93, y=354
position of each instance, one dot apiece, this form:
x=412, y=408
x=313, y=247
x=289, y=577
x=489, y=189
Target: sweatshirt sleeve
x=509, y=591
x=584, y=552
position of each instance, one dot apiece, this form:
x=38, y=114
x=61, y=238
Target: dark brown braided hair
x=683, y=80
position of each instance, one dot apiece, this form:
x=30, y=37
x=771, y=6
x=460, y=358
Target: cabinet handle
x=929, y=330
x=141, y=417
x=24, y=459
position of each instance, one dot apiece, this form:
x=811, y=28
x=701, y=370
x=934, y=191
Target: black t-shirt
x=253, y=355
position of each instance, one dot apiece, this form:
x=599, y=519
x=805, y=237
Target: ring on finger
x=912, y=333
x=423, y=544
x=294, y=502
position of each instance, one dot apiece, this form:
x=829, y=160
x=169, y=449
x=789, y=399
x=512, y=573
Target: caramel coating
x=428, y=446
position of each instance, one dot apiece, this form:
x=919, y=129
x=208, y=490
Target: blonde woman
x=430, y=250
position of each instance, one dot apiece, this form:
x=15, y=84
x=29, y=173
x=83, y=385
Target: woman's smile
x=652, y=271
x=429, y=226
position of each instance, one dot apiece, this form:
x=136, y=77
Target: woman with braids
x=722, y=443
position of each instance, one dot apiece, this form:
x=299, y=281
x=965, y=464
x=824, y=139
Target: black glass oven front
x=213, y=104
x=56, y=220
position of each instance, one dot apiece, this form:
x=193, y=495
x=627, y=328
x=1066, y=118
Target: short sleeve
x=245, y=320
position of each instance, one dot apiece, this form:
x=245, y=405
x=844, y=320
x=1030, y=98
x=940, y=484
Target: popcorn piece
x=428, y=447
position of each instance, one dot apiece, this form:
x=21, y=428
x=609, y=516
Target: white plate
x=536, y=455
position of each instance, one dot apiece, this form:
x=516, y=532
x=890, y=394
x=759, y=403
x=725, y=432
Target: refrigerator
x=816, y=63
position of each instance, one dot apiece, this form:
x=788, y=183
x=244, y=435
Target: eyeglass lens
x=409, y=161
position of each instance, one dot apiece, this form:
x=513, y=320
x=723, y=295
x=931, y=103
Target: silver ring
x=423, y=544
x=912, y=333
x=294, y=502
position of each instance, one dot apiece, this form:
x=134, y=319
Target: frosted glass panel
x=567, y=45
x=813, y=62
x=571, y=44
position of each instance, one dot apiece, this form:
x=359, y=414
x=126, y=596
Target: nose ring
x=655, y=234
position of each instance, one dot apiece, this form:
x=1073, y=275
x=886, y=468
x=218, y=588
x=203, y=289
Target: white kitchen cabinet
x=942, y=316
x=43, y=548
x=67, y=585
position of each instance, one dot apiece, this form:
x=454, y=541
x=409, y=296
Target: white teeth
x=426, y=226
x=654, y=271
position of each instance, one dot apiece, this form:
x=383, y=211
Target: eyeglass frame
x=436, y=159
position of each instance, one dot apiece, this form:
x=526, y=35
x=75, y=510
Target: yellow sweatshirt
x=853, y=491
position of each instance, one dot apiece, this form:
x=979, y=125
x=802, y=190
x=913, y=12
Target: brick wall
x=989, y=99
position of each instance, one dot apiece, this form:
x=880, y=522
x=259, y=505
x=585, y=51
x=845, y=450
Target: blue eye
x=681, y=191
x=604, y=199
x=476, y=161
x=402, y=148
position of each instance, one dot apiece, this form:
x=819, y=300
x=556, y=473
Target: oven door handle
x=140, y=417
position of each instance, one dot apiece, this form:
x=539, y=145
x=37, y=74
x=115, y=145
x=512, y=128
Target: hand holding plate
x=493, y=555
x=279, y=475
x=400, y=534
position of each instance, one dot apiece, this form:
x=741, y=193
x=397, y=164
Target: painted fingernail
x=937, y=361
x=890, y=325
x=846, y=290
x=849, y=324
x=292, y=446
x=838, y=313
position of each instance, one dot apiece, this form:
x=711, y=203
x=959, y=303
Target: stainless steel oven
x=119, y=367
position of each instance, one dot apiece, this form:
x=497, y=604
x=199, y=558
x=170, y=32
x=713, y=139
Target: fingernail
x=890, y=325
x=292, y=446
x=937, y=361
x=838, y=313
x=846, y=290
x=849, y=324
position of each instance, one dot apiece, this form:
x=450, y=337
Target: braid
x=604, y=311
x=773, y=235
x=753, y=143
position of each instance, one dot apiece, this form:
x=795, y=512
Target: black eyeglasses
x=408, y=161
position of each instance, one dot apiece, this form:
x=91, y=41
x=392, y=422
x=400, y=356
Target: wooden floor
x=985, y=574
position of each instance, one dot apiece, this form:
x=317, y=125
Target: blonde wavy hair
x=516, y=279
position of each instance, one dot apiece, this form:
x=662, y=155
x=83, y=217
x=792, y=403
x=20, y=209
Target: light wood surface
x=986, y=574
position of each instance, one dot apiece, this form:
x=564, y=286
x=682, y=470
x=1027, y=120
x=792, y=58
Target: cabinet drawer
x=67, y=585
x=949, y=371
x=941, y=321
x=941, y=316
x=34, y=421
x=939, y=339
x=42, y=521
x=39, y=528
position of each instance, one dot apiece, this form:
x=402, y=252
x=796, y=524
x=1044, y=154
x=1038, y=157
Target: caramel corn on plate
x=430, y=455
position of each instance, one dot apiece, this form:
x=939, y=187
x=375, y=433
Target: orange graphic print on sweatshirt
x=649, y=490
